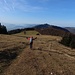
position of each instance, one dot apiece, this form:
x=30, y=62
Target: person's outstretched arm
x=34, y=38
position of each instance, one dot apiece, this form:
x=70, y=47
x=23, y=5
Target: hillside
x=10, y=47
x=53, y=30
x=44, y=29
x=48, y=56
x=44, y=26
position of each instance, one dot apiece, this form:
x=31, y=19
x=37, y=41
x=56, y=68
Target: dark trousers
x=31, y=44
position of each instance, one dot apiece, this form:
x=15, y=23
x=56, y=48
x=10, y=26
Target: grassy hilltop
x=48, y=56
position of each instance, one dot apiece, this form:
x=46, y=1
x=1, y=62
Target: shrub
x=69, y=40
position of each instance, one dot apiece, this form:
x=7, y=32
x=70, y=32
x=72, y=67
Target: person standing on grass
x=31, y=41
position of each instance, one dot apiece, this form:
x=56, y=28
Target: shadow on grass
x=7, y=55
x=5, y=59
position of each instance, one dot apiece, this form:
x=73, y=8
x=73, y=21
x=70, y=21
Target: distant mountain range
x=71, y=29
x=44, y=29
x=40, y=26
x=18, y=26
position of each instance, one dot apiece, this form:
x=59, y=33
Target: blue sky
x=55, y=12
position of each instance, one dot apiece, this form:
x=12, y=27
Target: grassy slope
x=10, y=47
x=48, y=57
x=30, y=32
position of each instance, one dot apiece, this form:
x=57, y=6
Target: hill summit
x=47, y=29
x=48, y=26
x=42, y=26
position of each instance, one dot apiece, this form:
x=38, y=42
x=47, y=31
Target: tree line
x=69, y=40
x=3, y=29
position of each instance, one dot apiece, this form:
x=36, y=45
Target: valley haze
x=21, y=26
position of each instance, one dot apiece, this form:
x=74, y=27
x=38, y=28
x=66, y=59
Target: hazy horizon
x=53, y=12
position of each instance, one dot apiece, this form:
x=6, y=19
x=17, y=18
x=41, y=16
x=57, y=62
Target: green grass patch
x=29, y=32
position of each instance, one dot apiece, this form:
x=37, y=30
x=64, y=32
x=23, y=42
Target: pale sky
x=55, y=12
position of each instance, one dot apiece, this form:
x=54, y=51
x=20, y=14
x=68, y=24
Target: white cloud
x=24, y=5
x=21, y=5
x=5, y=5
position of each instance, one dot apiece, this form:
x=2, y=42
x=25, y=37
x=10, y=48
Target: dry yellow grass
x=10, y=45
x=30, y=32
x=48, y=57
